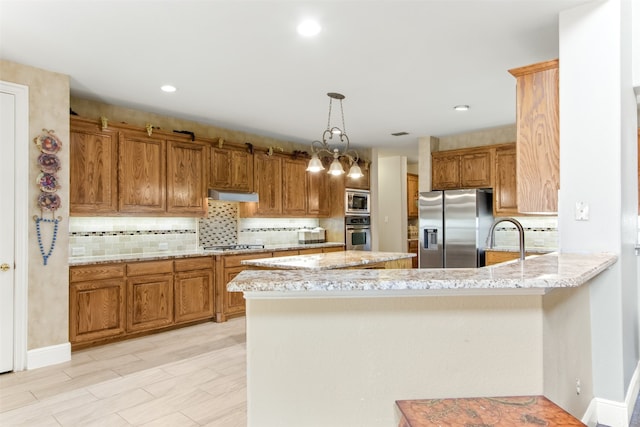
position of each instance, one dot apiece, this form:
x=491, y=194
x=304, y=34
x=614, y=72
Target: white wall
x=598, y=156
x=344, y=361
x=391, y=218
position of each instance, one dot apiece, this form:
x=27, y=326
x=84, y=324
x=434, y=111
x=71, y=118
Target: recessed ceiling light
x=309, y=28
x=168, y=88
x=461, y=107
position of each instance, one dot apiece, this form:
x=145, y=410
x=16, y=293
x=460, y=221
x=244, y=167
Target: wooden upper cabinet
x=268, y=184
x=231, y=169
x=142, y=175
x=93, y=161
x=412, y=195
x=505, y=182
x=294, y=180
x=463, y=168
x=318, y=194
x=475, y=169
x=186, y=171
x=537, y=137
x=445, y=170
x=362, y=183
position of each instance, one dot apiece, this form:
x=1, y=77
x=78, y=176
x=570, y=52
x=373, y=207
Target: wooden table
x=529, y=411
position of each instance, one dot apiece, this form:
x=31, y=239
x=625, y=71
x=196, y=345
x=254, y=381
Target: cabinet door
x=318, y=200
x=538, y=137
x=445, y=171
x=142, y=173
x=268, y=184
x=149, y=302
x=412, y=195
x=475, y=169
x=220, y=168
x=241, y=170
x=233, y=304
x=193, y=295
x=361, y=183
x=294, y=180
x=96, y=310
x=186, y=192
x=505, y=186
x=93, y=160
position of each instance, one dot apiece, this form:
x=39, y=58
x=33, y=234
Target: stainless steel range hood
x=231, y=196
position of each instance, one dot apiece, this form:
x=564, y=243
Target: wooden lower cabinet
x=149, y=302
x=110, y=302
x=496, y=257
x=193, y=289
x=231, y=304
x=96, y=310
x=413, y=248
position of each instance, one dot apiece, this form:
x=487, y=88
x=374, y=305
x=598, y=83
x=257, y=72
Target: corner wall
x=48, y=286
x=598, y=164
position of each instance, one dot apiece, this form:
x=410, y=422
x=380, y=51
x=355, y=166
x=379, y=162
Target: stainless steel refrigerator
x=454, y=225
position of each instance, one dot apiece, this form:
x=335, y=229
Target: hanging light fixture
x=323, y=147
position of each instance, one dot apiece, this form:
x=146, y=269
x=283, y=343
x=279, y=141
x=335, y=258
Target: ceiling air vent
x=400, y=133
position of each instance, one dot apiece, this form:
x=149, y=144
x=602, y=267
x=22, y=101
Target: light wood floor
x=194, y=376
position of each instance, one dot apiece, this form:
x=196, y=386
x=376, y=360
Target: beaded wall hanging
x=47, y=182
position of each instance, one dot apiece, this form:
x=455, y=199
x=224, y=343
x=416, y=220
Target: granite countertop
x=196, y=252
x=517, y=249
x=535, y=275
x=328, y=261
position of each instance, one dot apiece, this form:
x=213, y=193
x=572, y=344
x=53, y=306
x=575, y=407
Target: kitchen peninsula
x=339, y=347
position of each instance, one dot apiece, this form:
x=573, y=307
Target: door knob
x=4, y=267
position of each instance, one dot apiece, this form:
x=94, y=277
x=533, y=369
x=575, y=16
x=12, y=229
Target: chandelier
x=324, y=147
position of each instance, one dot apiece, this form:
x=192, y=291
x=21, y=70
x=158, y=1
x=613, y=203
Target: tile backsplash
x=99, y=236
x=539, y=233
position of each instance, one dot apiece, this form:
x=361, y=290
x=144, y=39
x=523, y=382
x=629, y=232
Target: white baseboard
x=51, y=355
x=612, y=413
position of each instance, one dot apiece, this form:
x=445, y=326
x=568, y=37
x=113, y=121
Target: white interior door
x=7, y=235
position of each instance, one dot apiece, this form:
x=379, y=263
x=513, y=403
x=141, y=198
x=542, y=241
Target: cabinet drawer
x=310, y=251
x=96, y=272
x=284, y=253
x=149, y=267
x=188, y=264
x=333, y=249
x=234, y=260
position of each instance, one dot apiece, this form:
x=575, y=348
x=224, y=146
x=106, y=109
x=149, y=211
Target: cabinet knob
x=4, y=267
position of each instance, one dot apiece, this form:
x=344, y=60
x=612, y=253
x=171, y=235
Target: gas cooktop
x=232, y=247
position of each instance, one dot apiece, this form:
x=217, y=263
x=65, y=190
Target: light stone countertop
x=196, y=252
x=328, y=261
x=536, y=275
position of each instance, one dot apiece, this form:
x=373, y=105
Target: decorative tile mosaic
x=221, y=225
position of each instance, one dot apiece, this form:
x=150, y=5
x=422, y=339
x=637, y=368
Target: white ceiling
x=402, y=65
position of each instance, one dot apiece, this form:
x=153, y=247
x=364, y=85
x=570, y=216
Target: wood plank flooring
x=194, y=376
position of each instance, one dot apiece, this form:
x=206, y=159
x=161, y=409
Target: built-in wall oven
x=358, y=233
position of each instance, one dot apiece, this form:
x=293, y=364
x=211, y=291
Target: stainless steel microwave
x=357, y=202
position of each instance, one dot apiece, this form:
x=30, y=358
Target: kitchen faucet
x=491, y=239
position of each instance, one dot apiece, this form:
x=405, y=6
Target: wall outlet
x=578, y=386
x=582, y=211
x=163, y=246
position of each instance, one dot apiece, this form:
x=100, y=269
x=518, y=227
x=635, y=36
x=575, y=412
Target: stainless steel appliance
x=454, y=226
x=357, y=202
x=358, y=233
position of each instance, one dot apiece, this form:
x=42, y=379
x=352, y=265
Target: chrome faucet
x=491, y=239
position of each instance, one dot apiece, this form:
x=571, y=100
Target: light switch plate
x=582, y=211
